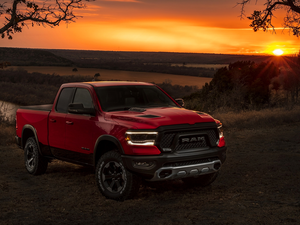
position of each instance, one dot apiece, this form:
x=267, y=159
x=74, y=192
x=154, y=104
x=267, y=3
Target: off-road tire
x=113, y=179
x=202, y=180
x=35, y=163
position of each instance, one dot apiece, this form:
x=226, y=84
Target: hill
x=32, y=57
x=191, y=64
x=90, y=57
x=159, y=62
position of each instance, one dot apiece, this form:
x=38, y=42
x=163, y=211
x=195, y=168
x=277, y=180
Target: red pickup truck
x=128, y=131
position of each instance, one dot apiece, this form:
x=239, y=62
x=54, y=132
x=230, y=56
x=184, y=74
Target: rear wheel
x=35, y=163
x=202, y=180
x=113, y=180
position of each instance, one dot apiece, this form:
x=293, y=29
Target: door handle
x=69, y=122
x=52, y=120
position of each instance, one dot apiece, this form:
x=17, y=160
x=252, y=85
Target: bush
x=257, y=119
x=247, y=86
x=177, y=91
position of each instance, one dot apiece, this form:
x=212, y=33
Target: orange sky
x=199, y=26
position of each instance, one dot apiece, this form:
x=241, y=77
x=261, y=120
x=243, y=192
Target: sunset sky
x=200, y=26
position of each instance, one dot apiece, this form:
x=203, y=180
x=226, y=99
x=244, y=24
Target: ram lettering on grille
x=187, y=141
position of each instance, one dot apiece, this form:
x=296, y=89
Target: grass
x=258, y=119
x=7, y=134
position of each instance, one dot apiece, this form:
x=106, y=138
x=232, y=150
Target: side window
x=83, y=96
x=64, y=100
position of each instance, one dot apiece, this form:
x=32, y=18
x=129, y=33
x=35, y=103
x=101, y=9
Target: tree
x=96, y=77
x=264, y=19
x=24, y=12
x=242, y=85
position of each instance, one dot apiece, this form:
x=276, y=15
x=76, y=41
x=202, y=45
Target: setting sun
x=278, y=52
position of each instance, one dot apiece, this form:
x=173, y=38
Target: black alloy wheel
x=113, y=179
x=35, y=163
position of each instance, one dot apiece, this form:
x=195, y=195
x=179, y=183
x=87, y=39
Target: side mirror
x=77, y=108
x=180, y=101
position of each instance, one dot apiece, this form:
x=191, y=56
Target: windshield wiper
x=137, y=109
x=160, y=105
x=118, y=109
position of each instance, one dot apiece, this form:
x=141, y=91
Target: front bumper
x=176, y=165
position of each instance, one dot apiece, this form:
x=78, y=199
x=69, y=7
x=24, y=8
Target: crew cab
x=127, y=131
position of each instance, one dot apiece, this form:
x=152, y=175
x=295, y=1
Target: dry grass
x=7, y=134
x=259, y=119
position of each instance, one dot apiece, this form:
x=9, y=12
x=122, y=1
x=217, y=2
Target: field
x=258, y=184
x=120, y=75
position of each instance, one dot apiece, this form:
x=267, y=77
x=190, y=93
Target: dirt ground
x=258, y=184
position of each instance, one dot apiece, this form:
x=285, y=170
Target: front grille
x=171, y=140
x=191, y=162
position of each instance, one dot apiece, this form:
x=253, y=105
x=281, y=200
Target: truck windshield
x=117, y=98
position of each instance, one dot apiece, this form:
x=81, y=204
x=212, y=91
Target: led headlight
x=140, y=138
x=220, y=129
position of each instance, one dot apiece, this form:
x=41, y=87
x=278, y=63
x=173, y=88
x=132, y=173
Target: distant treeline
x=39, y=57
x=23, y=88
x=32, y=57
x=148, y=67
x=245, y=85
x=159, y=62
x=177, y=91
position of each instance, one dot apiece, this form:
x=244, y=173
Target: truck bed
x=47, y=107
x=37, y=117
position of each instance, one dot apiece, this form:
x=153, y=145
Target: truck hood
x=153, y=118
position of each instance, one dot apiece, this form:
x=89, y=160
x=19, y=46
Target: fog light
x=143, y=164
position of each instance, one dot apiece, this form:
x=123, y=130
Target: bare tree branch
x=50, y=13
x=263, y=19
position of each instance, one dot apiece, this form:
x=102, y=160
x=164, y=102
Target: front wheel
x=35, y=163
x=113, y=180
x=202, y=180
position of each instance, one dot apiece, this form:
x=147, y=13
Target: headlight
x=221, y=134
x=140, y=138
x=220, y=129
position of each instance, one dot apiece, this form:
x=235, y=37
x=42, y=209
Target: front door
x=81, y=130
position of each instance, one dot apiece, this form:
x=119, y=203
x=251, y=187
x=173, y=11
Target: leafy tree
x=241, y=85
x=21, y=13
x=264, y=19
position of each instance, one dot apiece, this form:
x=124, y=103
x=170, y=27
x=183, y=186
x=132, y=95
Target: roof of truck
x=116, y=83
x=106, y=84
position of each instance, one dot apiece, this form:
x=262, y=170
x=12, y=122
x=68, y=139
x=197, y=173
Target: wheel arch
x=104, y=144
x=27, y=132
